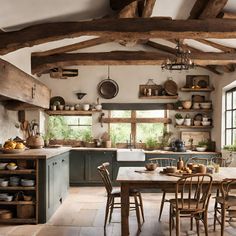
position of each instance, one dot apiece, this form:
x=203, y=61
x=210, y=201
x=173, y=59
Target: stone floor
x=82, y=214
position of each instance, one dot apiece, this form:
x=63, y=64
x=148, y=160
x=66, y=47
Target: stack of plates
x=27, y=182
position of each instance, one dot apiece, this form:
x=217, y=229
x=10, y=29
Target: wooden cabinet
x=24, y=210
x=57, y=182
x=17, y=85
x=83, y=166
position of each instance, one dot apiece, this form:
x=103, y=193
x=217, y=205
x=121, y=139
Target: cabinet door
x=50, y=189
x=57, y=181
x=95, y=159
x=77, y=166
x=64, y=175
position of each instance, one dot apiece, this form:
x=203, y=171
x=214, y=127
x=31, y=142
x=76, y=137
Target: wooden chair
x=112, y=194
x=191, y=200
x=162, y=162
x=199, y=160
x=225, y=202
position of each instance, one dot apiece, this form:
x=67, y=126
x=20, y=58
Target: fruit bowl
x=11, y=167
x=12, y=151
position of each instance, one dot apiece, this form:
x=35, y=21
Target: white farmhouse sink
x=130, y=155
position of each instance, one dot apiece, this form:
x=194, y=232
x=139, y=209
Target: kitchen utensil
x=171, y=87
x=57, y=100
x=108, y=88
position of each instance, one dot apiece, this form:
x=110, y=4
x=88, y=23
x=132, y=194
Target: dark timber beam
x=138, y=28
x=43, y=64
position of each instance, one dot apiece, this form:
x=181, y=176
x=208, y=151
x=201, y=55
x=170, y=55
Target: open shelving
x=16, y=206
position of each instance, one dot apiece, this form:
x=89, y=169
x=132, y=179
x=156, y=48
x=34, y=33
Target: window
x=143, y=125
x=70, y=127
x=230, y=117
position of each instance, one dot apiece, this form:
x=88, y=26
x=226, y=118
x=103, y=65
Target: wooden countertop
x=42, y=153
x=45, y=153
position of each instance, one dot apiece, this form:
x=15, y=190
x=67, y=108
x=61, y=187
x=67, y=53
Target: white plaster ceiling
x=16, y=14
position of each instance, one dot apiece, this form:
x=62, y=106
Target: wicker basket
x=25, y=211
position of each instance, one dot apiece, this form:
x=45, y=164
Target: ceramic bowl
x=8, y=198
x=179, y=121
x=167, y=148
x=11, y=167
x=206, y=123
x=77, y=107
x=201, y=149
x=4, y=183
x=3, y=166
x=61, y=107
x=27, y=182
x=86, y=107
x=205, y=105
x=186, y=104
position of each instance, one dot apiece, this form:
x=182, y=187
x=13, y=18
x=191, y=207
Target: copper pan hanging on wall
x=108, y=88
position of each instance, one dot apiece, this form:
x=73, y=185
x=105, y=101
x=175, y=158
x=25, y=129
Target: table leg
x=124, y=209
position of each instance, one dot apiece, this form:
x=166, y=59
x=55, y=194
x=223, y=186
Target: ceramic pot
x=35, y=141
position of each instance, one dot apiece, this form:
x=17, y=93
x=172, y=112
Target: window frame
x=134, y=120
x=232, y=110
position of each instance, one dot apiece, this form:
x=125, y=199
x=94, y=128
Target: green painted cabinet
x=83, y=166
x=57, y=182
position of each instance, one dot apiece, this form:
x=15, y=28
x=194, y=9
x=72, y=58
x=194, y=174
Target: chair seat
x=230, y=201
x=188, y=205
x=116, y=192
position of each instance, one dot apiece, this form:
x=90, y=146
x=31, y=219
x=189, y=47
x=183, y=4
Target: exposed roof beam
x=212, y=9
x=74, y=47
x=43, y=64
x=161, y=47
x=129, y=11
x=197, y=9
x=148, y=8
x=216, y=45
x=138, y=28
x=212, y=68
x=226, y=15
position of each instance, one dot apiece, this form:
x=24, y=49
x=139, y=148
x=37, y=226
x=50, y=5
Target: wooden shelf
x=194, y=110
x=18, y=172
x=17, y=203
x=19, y=221
x=193, y=127
x=196, y=90
x=158, y=97
x=17, y=188
x=70, y=113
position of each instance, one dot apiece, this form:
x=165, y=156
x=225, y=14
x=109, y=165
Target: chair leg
x=215, y=209
x=111, y=210
x=170, y=220
x=191, y=223
x=107, y=211
x=205, y=222
x=222, y=219
x=162, y=204
x=197, y=226
x=137, y=212
x=141, y=205
x=177, y=223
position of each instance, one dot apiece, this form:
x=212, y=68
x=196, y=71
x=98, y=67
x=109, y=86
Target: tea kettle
x=178, y=146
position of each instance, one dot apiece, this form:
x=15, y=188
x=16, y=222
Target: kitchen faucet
x=130, y=142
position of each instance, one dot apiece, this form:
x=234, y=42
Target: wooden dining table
x=137, y=177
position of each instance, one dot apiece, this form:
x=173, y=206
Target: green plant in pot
x=88, y=139
x=164, y=140
x=151, y=143
x=179, y=119
x=202, y=146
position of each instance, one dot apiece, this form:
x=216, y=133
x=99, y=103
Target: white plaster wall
x=221, y=84
x=128, y=78
x=8, y=120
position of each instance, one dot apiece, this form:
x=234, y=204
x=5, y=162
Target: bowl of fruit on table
x=11, y=146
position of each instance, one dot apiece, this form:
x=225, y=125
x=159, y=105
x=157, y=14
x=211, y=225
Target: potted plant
x=178, y=105
x=164, y=140
x=202, y=146
x=151, y=143
x=88, y=139
x=187, y=120
x=179, y=119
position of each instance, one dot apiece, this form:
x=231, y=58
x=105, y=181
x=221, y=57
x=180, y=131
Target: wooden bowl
x=170, y=169
x=151, y=166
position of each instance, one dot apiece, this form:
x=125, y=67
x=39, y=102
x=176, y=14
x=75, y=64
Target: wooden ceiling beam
x=148, y=8
x=138, y=28
x=226, y=15
x=212, y=69
x=129, y=11
x=212, y=9
x=216, y=45
x=197, y=9
x=74, y=47
x=42, y=64
x=161, y=47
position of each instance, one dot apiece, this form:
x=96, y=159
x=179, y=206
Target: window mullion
x=133, y=125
